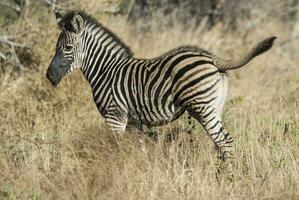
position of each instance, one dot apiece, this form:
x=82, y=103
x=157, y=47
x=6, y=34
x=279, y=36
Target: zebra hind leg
x=212, y=123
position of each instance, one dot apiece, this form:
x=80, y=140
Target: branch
x=7, y=40
x=26, y=8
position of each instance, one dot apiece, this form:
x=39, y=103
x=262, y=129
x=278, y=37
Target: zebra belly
x=155, y=119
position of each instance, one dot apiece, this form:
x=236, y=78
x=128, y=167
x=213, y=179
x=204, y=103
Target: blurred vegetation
x=145, y=15
x=211, y=12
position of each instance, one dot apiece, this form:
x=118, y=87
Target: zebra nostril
x=50, y=74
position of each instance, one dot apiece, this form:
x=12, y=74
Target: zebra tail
x=258, y=49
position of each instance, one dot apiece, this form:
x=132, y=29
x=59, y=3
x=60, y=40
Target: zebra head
x=68, y=48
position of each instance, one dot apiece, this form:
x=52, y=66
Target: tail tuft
x=264, y=45
x=258, y=49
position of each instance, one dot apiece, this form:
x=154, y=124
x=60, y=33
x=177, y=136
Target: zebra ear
x=77, y=23
x=58, y=17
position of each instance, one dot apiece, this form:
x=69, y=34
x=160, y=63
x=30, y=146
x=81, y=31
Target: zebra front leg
x=141, y=140
x=117, y=125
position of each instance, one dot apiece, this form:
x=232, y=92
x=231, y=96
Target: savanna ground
x=53, y=144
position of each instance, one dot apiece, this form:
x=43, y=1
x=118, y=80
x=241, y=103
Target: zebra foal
x=146, y=92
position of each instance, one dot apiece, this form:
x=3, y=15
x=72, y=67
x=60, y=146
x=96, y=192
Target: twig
x=16, y=58
x=7, y=40
x=2, y=56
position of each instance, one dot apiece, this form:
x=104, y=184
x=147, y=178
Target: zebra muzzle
x=53, y=77
x=57, y=70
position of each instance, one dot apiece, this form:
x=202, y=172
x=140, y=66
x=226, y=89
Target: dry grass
x=53, y=145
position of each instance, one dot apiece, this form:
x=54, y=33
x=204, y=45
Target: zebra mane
x=66, y=20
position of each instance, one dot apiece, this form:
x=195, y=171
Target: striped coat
x=146, y=92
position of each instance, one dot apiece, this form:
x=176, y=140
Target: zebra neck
x=103, y=54
x=101, y=48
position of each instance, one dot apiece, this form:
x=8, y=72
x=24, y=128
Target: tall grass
x=53, y=144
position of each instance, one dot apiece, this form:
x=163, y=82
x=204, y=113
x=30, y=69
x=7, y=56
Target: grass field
x=53, y=144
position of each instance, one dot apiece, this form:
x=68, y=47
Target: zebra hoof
x=225, y=155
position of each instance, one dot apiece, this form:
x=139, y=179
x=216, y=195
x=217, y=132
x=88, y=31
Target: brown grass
x=53, y=144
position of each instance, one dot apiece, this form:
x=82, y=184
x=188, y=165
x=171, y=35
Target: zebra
x=133, y=92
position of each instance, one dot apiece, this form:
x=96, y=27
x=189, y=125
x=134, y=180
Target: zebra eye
x=69, y=47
